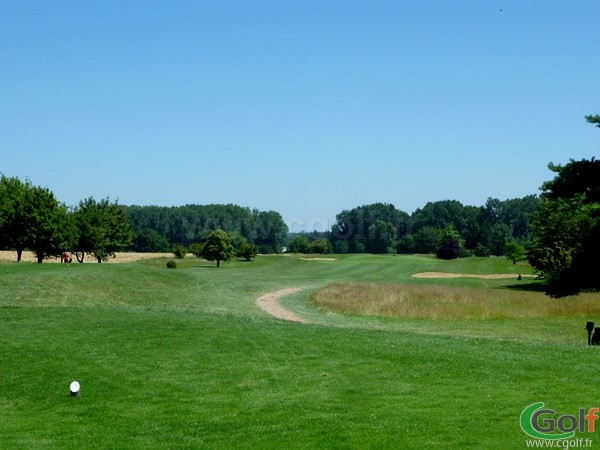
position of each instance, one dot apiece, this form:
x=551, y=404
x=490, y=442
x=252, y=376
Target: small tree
x=218, y=247
x=514, y=251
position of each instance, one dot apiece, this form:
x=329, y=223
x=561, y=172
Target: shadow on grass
x=527, y=287
x=545, y=288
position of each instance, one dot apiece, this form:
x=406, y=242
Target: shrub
x=196, y=249
x=450, y=249
x=465, y=253
x=171, y=265
x=179, y=251
x=320, y=245
x=248, y=251
x=300, y=244
x=482, y=250
x=341, y=246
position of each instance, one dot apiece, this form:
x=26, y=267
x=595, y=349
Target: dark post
x=589, y=327
x=596, y=337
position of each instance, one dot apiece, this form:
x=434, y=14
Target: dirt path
x=270, y=303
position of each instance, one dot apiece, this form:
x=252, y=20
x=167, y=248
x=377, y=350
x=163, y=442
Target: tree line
x=31, y=218
x=158, y=228
x=382, y=228
x=558, y=232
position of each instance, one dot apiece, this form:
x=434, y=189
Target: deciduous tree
x=514, y=251
x=566, y=228
x=103, y=229
x=218, y=247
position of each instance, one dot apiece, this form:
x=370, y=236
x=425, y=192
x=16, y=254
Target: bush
x=248, y=251
x=300, y=244
x=482, y=250
x=450, y=249
x=320, y=245
x=341, y=246
x=179, y=251
x=196, y=249
x=465, y=253
x=171, y=265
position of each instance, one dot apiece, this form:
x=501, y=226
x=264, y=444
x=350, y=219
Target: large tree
x=48, y=224
x=103, y=229
x=218, y=247
x=31, y=217
x=566, y=228
x=13, y=214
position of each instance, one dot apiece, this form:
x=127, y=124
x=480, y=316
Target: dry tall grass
x=447, y=302
x=121, y=257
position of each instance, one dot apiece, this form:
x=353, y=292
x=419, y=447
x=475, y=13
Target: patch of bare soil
x=491, y=276
x=270, y=303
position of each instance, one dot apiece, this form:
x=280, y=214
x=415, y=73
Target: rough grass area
x=435, y=302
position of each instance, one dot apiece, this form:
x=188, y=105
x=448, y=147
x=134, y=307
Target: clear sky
x=305, y=107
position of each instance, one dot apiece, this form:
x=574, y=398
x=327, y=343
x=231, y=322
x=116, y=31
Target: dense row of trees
x=158, y=228
x=483, y=231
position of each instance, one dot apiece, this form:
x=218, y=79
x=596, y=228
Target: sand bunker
x=491, y=276
x=318, y=259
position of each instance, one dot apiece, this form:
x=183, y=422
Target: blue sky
x=303, y=107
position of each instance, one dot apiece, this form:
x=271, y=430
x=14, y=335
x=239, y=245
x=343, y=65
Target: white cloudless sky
x=303, y=107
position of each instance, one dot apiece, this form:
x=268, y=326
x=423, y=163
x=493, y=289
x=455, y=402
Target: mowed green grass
x=184, y=359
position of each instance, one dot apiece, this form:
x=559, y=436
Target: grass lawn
x=184, y=359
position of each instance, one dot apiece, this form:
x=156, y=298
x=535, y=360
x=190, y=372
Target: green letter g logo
x=529, y=423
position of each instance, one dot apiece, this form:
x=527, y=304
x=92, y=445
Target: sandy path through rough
x=270, y=303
